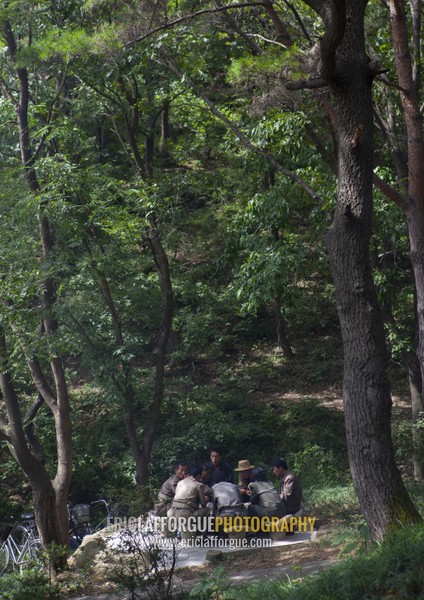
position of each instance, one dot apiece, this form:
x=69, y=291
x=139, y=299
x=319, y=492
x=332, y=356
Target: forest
x=212, y=233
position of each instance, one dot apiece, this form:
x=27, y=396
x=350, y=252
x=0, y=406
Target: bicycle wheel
x=78, y=533
x=30, y=555
x=4, y=557
x=21, y=536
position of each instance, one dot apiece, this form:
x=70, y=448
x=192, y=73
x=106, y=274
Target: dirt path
x=296, y=556
x=241, y=567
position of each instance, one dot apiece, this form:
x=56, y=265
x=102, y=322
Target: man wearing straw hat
x=244, y=469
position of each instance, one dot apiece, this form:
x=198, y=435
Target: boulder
x=214, y=556
x=87, y=553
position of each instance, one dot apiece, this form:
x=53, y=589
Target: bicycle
x=79, y=524
x=85, y=519
x=20, y=544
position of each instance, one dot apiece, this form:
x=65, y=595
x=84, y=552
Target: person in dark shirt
x=167, y=489
x=290, y=487
x=205, y=480
x=221, y=471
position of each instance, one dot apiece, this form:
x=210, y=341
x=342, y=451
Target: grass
x=332, y=502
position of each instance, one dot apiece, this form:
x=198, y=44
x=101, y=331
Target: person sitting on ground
x=264, y=498
x=290, y=487
x=206, y=480
x=227, y=500
x=167, y=490
x=189, y=499
x=244, y=470
x=221, y=471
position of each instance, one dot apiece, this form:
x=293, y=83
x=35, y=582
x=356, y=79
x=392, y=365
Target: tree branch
x=16, y=437
x=298, y=19
x=8, y=93
x=38, y=378
x=280, y=28
x=261, y=37
x=41, y=383
x=50, y=115
x=107, y=295
x=255, y=49
x=389, y=83
x=390, y=192
x=335, y=25
x=191, y=16
x=333, y=13
x=34, y=408
x=83, y=332
x=33, y=441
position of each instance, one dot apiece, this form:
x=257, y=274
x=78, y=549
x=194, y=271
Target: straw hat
x=244, y=465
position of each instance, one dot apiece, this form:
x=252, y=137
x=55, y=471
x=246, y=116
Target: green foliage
x=105, y=467
x=316, y=464
x=212, y=586
x=354, y=539
x=236, y=233
x=285, y=129
x=245, y=67
x=62, y=43
x=406, y=435
x=31, y=583
x=333, y=503
x=226, y=417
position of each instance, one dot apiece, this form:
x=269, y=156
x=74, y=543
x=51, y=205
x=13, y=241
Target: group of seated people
x=210, y=489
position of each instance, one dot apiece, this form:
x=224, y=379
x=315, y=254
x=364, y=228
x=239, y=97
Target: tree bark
x=50, y=496
x=162, y=266
x=417, y=409
x=142, y=450
x=366, y=392
x=408, y=79
x=164, y=130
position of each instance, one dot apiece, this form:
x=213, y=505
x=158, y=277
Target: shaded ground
x=240, y=566
x=267, y=558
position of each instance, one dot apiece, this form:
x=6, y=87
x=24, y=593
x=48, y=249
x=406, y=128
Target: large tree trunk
x=366, y=391
x=50, y=505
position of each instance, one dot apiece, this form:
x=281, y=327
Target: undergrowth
x=393, y=569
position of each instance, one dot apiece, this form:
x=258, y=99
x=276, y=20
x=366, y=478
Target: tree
x=348, y=73
x=346, y=69
x=130, y=101
x=50, y=494
x=409, y=164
